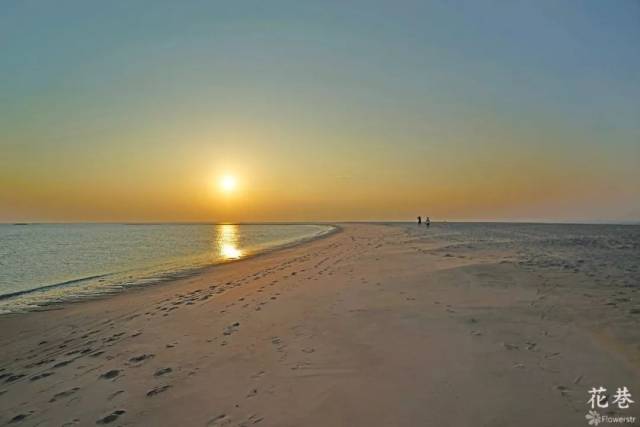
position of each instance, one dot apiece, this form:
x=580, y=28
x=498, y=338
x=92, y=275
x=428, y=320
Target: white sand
x=373, y=326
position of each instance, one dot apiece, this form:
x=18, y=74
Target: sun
x=228, y=183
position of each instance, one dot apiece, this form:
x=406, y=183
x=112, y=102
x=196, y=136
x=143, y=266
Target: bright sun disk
x=228, y=183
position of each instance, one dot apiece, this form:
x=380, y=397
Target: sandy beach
x=375, y=325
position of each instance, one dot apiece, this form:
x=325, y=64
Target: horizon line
x=329, y=222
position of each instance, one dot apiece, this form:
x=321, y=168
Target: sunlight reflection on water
x=228, y=241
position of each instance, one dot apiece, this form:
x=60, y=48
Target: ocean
x=42, y=264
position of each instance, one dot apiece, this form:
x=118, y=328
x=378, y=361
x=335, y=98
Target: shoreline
x=143, y=282
x=372, y=325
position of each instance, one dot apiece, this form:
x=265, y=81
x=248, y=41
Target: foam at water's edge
x=95, y=286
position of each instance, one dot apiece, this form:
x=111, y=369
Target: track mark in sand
x=11, y=378
x=110, y=374
x=220, y=420
x=40, y=376
x=114, y=394
x=258, y=375
x=253, y=419
x=510, y=346
x=231, y=328
x=158, y=390
x=63, y=363
x=63, y=394
x=141, y=358
x=113, y=337
x=564, y=390
x=252, y=393
x=111, y=417
x=18, y=418
x=33, y=365
x=162, y=371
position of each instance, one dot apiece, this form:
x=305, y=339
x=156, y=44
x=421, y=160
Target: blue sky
x=363, y=98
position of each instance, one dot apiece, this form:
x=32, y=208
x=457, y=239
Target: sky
x=321, y=111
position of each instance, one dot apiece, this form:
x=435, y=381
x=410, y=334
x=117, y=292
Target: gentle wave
x=41, y=265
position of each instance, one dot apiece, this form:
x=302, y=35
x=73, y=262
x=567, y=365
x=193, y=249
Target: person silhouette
x=419, y=220
x=428, y=222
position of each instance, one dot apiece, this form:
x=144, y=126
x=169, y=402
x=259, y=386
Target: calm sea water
x=45, y=263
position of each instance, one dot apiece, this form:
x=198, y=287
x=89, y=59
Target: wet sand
x=377, y=325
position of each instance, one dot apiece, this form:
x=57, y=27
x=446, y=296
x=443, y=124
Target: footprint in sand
x=158, y=390
x=20, y=417
x=231, y=329
x=40, y=376
x=219, y=421
x=110, y=374
x=33, y=365
x=114, y=394
x=63, y=363
x=258, y=375
x=510, y=346
x=111, y=417
x=11, y=378
x=141, y=358
x=162, y=371
x=63, y=394
x=253, y=419
x=562, y=389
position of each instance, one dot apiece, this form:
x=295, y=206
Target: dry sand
x=374, y=326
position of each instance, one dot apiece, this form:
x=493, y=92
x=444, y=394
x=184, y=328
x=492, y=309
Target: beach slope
x=377, y=325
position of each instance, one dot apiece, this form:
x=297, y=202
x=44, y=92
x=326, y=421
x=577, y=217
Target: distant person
x=428, y=222
x=419, y=220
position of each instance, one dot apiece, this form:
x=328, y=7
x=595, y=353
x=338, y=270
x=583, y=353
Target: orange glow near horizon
x=203, y=116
